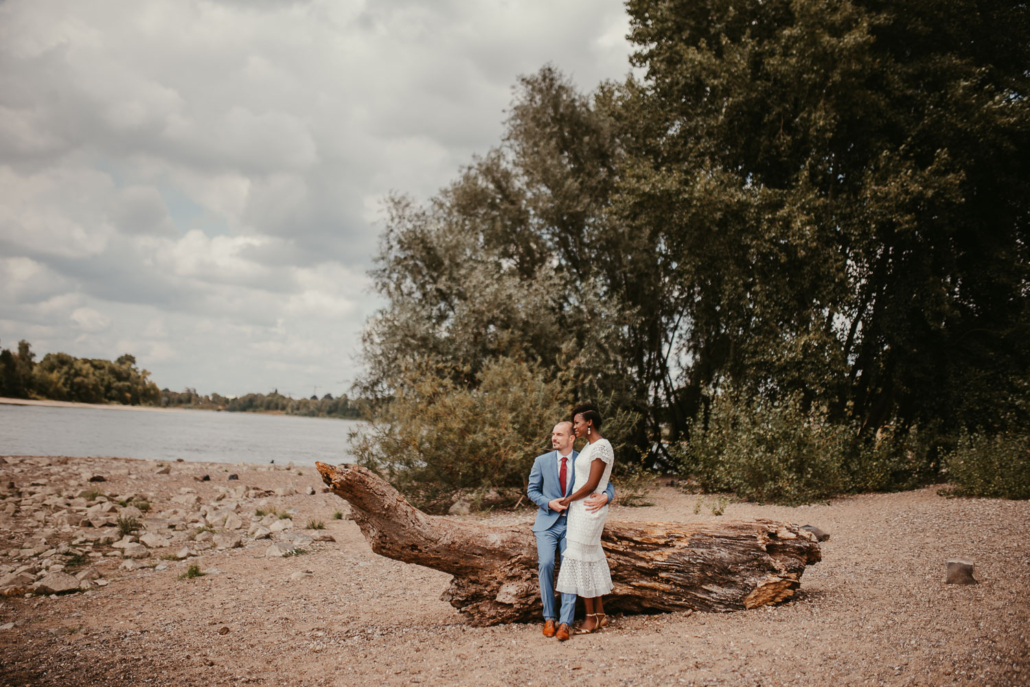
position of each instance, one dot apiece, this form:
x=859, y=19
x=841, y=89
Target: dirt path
x=874, y=611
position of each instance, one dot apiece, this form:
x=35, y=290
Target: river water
x=194, y=435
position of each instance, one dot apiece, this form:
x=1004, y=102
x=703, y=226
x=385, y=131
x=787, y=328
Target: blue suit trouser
x=547, y=543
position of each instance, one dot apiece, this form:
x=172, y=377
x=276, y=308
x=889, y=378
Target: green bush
x=766, y=451
x=777, y=451
x=993, y=466
x=437, y=440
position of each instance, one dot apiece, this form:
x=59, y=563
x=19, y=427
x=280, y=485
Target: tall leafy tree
x=843, y=189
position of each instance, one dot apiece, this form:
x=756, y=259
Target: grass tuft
x=316, y=525
x=127, y=525
x=192, y=572
x=338, y=515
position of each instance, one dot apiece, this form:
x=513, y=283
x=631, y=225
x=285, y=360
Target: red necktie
x=562, y=473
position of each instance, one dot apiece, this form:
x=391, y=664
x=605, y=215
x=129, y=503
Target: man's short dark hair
x=589, y=412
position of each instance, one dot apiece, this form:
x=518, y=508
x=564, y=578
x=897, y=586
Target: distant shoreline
x=46, y=403
x=70, y=404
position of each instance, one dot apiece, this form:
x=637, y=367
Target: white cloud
x=89, y=320
x=201, y=179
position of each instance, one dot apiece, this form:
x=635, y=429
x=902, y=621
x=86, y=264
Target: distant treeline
x=62, y=377
x=327, y=406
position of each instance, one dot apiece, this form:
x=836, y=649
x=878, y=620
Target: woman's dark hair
x=589, y=412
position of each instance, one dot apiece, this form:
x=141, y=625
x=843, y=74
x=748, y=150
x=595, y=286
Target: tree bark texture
x=725, y=566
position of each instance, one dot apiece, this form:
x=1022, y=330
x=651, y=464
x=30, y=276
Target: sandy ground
x=874, y=611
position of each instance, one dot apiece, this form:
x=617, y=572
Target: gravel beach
x=281, y=604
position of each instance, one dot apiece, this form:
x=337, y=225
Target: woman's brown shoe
x=548, y=628
x=563, y=632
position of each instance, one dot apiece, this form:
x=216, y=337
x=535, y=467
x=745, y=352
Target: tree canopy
x=826, y=202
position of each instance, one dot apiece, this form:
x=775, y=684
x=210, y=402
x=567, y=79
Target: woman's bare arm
x=596, y=470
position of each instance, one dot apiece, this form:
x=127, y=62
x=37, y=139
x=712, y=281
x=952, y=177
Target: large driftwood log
x=724, y=566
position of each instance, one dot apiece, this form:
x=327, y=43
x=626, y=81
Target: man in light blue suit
x=546, y=488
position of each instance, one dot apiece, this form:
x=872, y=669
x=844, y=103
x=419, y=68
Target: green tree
x=844, y=190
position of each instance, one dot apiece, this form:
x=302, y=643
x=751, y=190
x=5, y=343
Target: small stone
x=161, y=566
x=104, y=583
x=16, y=580
x=262, y=533
x=960, y=571
x=233, y=522
x=182, y=554
x=125, y=541
x=129, y=565
x=233, y=477
x=154, y=541
x=89, y=573
x=460, y=507
x=97, y=478
x=56, y=583
x=131, y=512
x=301, y=575
x=281, y=525
x=203, y=536
x=223, y=631
x=166, y=470
x=205, y=478
x=309, y=491
x=226, y=540
x=135, y=551
x=278, y=550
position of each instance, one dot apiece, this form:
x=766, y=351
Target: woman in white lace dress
x=584, y=568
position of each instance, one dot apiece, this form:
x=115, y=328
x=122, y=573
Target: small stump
x=960, y=571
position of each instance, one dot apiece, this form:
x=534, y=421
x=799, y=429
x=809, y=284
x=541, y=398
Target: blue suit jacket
x=544, y=487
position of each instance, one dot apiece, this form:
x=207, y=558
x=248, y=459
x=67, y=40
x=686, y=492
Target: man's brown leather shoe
x=549, y=628
x=563, y=632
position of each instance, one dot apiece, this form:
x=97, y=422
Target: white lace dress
x=584, y=568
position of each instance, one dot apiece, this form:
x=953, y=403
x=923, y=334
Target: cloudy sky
x=198, y=182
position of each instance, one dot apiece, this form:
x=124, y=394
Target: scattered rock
x=262, y=533
x=166, y=470
x=960, y=571
x=135, y=551
x=309, y=491
x=278, y=550
x=56, y=583
x=124, y=541
x=89, y=573
x=460, y=507
x=205, y=478
x=182, y=554
x=223, y=631
x=301, y=575
x=131, y=512
x=233, y=477
x=226, y=540
x=281, y=525
x=154, y=541
x=97, y=478
x=233, y=522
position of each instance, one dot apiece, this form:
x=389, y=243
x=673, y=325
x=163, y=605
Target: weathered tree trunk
x=724, y=566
